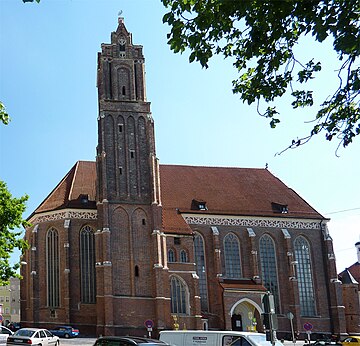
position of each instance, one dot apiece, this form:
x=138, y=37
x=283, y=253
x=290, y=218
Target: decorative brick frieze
x=64, y=215
x=253, y=222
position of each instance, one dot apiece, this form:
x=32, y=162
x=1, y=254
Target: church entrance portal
x=246, y=317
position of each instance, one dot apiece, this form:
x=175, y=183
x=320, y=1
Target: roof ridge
x=217, y=167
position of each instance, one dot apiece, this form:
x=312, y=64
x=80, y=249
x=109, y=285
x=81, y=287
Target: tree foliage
x=260, y=36
x=11, y=210
x=4, y=116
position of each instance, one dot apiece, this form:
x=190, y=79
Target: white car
x=33, y=336
x=4, y=334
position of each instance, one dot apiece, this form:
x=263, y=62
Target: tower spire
x=120, y=17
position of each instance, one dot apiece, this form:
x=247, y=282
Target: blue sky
x=48, y=84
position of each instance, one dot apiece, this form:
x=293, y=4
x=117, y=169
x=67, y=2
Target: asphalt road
x=77, y=341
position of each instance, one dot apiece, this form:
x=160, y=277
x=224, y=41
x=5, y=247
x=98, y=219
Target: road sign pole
x=290, y=316
x=149, y=324
x=308, y=327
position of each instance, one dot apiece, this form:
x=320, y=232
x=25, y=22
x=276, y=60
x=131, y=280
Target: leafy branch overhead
x=260, y=37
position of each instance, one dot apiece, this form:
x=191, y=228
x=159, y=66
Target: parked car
x=65, y=331
x=33, y=336
x=351, y=340
x=325, y=343
x=215, y=338
x=127, y=341
x=4, y=334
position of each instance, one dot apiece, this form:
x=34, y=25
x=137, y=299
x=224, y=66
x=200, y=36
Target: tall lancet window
x=87, y=265
x=305, y=278
x=268, y=268
x=53, y=268
x=232, y=256
x=179, y=296
x=201, y=270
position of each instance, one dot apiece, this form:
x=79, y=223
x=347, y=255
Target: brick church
x=125, y=240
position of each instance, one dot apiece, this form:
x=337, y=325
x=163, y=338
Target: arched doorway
x=246, y=316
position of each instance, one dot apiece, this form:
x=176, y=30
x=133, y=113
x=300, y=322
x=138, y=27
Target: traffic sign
x=149, y=324
x=308, y=326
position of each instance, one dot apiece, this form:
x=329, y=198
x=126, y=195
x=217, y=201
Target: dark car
x=14, y=326
x=65, y=331
x=127, y=341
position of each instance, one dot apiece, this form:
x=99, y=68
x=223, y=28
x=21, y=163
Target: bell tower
x=126, y=147
x=128, y=194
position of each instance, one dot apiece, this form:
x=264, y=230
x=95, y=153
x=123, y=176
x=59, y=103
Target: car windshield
x=260, y=339
x=25, y=332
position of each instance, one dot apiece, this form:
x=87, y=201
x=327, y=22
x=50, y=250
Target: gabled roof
x=72, y=191
x=226, y=191
x=353, y=270
x=218, y=190
x=347, y=278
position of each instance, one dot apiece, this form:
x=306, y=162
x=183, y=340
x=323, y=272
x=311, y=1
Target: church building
x=126, y=243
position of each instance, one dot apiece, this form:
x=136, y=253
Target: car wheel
x=67, y=336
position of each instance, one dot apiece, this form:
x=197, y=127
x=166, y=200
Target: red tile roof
x=354, y=270
x=226, y=191
x=80, y=180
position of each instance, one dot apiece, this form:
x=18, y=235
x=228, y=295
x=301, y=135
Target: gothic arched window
x=183, y=256
x=201, y=270
x=179, y=296
x=232, y=256
x=53, y=268
x=268, y=268
x=87, y=265
x=171, y=256
x=305, y=278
